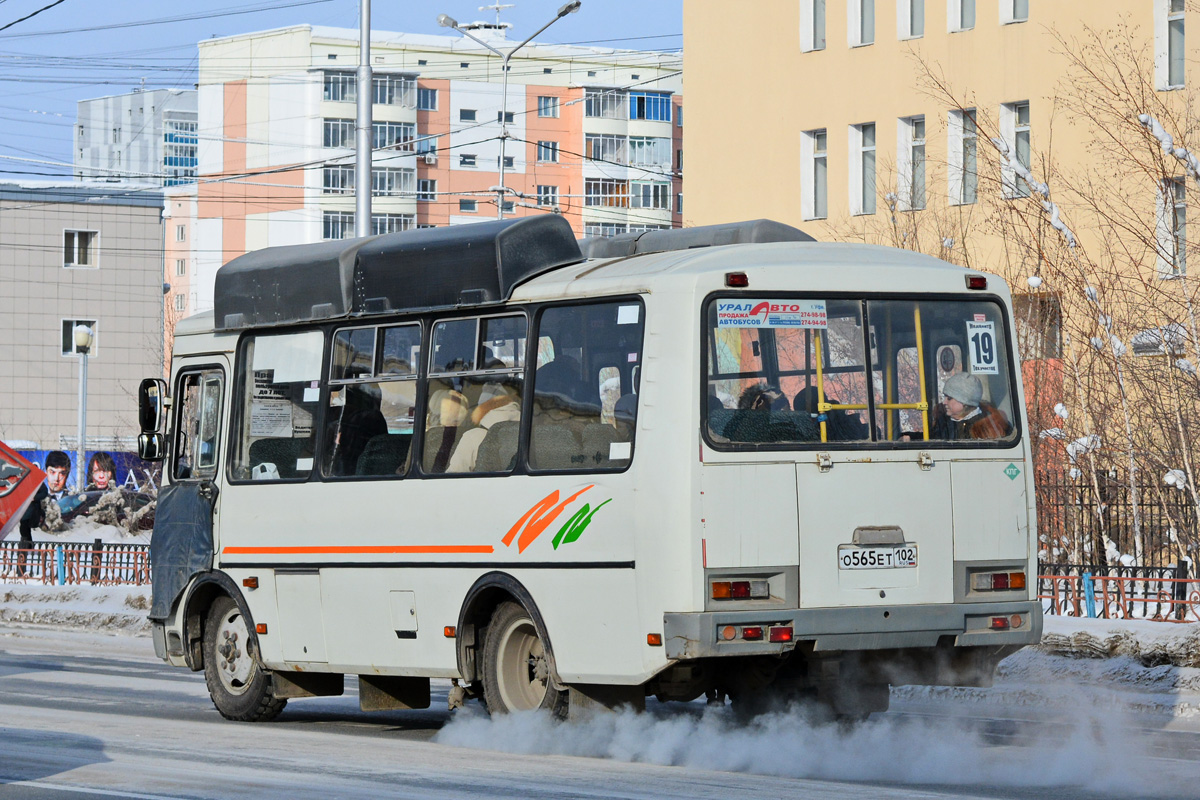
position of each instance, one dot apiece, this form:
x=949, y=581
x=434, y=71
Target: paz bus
x=711, y=461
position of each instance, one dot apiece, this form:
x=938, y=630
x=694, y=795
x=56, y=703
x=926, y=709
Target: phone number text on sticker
x=742, y=313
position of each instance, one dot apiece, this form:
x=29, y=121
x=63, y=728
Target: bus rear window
x=814, y=371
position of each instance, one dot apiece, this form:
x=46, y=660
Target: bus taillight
x=781, y=633
x=752, y=633
x=997, y=581
x=741, y=590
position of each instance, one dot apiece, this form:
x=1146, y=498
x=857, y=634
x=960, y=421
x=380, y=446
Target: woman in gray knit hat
x=964, y=415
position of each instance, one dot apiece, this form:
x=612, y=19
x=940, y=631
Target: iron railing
x=76, y=563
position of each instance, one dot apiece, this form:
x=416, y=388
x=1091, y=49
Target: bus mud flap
x=388, y=692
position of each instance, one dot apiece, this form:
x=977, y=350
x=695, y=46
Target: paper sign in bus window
x=776, y=313
x=981, y=347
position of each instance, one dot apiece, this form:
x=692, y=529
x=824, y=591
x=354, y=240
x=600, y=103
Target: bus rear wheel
x=516, y=665
x=239, y=687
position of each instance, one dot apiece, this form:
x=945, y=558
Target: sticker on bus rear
x=741, y=313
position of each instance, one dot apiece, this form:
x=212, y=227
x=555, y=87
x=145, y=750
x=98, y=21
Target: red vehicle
x=19, y=482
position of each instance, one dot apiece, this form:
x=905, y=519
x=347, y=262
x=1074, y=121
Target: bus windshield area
x=810, y=371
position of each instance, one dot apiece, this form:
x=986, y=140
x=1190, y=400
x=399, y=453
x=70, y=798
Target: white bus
x=728, y=461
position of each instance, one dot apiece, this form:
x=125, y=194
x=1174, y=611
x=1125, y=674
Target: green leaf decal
x=577, y=524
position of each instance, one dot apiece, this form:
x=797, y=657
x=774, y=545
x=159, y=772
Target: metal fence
x=1120, y=597
x=1078, y=511
x=76, y=563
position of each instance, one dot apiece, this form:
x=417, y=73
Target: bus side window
x=198, y=426
x=279, y=378
x=585, y=397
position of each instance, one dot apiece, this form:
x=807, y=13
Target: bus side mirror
x=151, y=446
x=151, y=394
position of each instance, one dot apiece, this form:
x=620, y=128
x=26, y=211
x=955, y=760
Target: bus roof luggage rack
x=755, y=231
x=414, y=270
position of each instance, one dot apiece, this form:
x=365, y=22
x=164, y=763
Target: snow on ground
x=120, y=609
x=84, y=530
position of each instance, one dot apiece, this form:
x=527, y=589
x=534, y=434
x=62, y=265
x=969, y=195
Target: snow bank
x=85, y=530
x=1150, y=644
x=108, y=608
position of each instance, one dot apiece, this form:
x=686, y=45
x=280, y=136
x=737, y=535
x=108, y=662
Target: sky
x=71, y=50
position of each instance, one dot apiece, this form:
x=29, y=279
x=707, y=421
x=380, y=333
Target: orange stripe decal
x=537, y=525
x=365, y=550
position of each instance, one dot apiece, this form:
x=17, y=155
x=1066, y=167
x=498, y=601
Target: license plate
x=877, y=557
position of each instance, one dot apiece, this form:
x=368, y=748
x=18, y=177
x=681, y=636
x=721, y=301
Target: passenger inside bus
x=360, y=419
x=765, y=415
x=964, y=414
x=491, y=446
x=445, y=421
x=841, y=425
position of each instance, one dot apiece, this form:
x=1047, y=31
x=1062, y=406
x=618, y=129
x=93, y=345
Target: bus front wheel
x=516, y=665
x=239, y=687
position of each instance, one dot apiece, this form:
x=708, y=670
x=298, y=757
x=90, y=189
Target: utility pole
x=362, y=125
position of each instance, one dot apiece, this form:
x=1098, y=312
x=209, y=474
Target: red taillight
x=741, y=589
x=752, y=633
x=999, y=623
x=976, y=282
x=999, y=580
x=781, y=633
x=736, y=280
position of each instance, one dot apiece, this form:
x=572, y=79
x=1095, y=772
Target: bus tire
x=238, y=686
x=516, y=666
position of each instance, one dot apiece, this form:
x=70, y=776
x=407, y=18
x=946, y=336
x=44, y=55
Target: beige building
x=842, y=133
x=71, y=253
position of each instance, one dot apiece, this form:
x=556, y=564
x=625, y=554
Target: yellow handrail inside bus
x=922, y=405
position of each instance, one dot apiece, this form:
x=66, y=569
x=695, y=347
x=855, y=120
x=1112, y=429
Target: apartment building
x=78, y=253
x=147, y=136
x=593, y=134
x=861, y=143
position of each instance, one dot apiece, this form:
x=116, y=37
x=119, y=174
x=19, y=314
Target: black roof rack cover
x=752, y=232
x=414, y=270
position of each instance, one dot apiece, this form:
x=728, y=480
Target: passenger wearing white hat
x=498, y=402
x=964, y=415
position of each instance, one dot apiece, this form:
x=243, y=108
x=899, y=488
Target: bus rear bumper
x=711, y=634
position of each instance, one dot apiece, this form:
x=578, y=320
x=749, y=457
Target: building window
x=1014, y=129
x=116, y=135
x=547, y=195
x=509, y=205
x=606, y=193
x=427, y=99
x=180, y=267
x=604, y=103
x=394, y=90
x=181, y=302
x=390, y=223
x=1014, y=11
x=508, y=162
x=337, y=224
x=605, y=147
x=339, y=133
x=79, y=248
x=547, y=151
x=960, y=15
x=814, y=178
x=1172, y=228
x=466, y=159
x=812, y=25
x=651, y=195
x=427, y=190
x=652, y=106
x=911, y=149
x=392, y=181
x=679, y=160
x=1175, y=42
x=427, y=144
x=679, y=203
x=910, y=18
x=1038, y=320
x=468, y=206
x=860, y=22
x=963, y=157
x=338, y=179
x=547, y=106
x=68, y=336
x=679, y=116
x=862, y=168
x=181, y=233
x=397, y=135
x=650, y=151
x=604, y=229
x=464, y=64
x=505, y=116
x=341, y=87
x=466, y=115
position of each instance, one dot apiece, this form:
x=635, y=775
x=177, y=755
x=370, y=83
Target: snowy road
x=84, y=715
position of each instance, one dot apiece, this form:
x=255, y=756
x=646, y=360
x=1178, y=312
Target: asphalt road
x=93, y=716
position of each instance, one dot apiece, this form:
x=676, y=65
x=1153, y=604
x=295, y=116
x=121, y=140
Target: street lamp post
x=446, y=21
x=83, y=345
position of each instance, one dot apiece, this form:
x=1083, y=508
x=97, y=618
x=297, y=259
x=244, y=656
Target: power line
x=34, y=14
